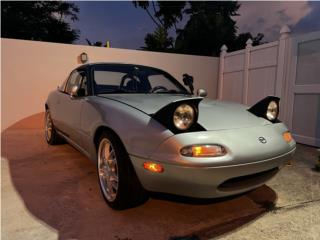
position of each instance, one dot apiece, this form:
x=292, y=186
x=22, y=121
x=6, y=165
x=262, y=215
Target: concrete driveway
x=51, y=192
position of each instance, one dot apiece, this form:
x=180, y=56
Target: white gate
x=288, y=68
x=303, y=104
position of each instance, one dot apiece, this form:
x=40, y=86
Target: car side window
x=77, y=78
x=71, y=82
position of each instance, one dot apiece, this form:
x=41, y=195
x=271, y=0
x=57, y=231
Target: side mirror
x=74, y=91
x=77, y=92
x=201, y=92
x=188, y=81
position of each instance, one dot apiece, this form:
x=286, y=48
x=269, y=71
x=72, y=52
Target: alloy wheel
x=108, y=169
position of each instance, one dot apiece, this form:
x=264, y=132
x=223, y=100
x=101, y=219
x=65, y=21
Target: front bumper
x=206, y=182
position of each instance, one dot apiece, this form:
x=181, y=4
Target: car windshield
x=134, y=79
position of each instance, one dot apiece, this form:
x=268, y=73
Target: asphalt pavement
x=52, y=192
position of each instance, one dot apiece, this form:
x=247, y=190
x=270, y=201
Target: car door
x=71, y=107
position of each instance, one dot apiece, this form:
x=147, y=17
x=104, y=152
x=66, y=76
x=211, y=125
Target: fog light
x=153, y=167
x=203, y=151
x=287, y=137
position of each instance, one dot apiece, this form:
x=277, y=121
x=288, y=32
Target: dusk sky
x=125, y=26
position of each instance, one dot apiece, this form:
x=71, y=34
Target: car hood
x=213, y=115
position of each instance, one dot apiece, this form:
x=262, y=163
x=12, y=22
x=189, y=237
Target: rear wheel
x=119, y=184
x=51, y=135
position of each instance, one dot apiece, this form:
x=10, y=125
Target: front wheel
x=51, y=135
x=119, y=184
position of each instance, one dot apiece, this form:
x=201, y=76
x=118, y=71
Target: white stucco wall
x=30, y=70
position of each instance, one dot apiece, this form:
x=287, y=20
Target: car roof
x=112, y=63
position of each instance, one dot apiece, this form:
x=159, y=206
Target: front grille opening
x=247, y=181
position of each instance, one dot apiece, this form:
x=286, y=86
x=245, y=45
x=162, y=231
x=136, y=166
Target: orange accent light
x=207, y=151
x=153, y=167
x=287, y=137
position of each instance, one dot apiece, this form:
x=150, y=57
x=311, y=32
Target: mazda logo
x=262, y=140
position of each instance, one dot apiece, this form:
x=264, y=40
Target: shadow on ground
x=59, y=186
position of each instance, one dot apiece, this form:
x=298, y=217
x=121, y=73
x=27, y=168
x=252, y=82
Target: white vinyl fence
x=288, y=68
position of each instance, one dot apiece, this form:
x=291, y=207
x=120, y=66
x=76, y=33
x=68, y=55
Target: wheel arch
x=102, y=129
x=97, y=135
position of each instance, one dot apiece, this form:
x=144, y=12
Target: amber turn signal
x=153, y=167
x=209, y=150
x=287, y=137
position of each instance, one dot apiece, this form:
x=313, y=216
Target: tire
x=119, y=184
x=51, y=135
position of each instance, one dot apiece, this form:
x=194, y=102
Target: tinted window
x=112, y=78
x=134, y=79
x=160, y=80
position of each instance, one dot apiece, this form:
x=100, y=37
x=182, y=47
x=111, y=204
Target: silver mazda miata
x=147, y=132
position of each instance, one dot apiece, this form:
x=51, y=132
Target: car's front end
x=229, y=150
x=249, y=158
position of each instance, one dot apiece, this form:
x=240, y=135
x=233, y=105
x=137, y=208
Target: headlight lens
x=208, y=150
x=272, y=111
x=183, y=117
